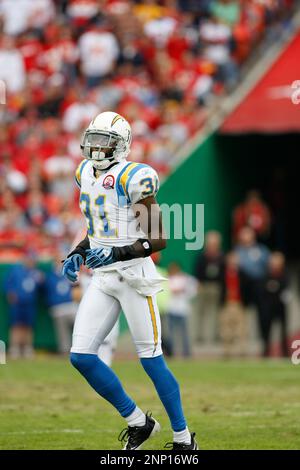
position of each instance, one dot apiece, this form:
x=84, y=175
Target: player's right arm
x=71, y=265
x=75, y=259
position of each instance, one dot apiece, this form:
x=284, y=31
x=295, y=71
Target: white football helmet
x=107, y=140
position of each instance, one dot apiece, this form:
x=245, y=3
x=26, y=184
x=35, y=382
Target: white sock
x=182, y=436
x=137, y=418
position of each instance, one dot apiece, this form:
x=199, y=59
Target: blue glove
x=99, y=257
x=71, y=266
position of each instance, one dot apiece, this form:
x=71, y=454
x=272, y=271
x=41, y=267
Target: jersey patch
x=109, y=182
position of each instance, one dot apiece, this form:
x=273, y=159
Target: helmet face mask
x=100, y=139
x=101, y=147
x=105, y=145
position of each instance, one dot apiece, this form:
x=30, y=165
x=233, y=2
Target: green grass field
x=45, y=404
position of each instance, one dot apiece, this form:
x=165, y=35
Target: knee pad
x=83, y=362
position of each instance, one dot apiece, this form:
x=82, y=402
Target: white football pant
x=109, y=293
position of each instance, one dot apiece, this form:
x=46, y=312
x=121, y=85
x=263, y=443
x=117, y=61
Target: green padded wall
x=207, y=177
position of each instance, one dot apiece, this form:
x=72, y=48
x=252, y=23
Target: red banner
x=273, y=105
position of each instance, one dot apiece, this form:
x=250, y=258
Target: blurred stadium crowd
x=160, y=63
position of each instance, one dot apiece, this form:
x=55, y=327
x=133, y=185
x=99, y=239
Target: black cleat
x=182, y=446
x=135, y=436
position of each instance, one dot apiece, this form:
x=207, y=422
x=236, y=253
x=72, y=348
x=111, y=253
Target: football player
x=117, y=198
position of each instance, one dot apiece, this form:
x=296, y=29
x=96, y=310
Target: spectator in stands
x=60, y=170
x=21, y=288
x=233, y=323
x=8, y=205
x=28, y=14
x=12, y=70
x=253, y=262
x=41, y=12
x=14, y=179
x=79, y=113
x=58, y=296
x=59, y=57
x=172, y=126
x=82, y=11
x=275, y=299
x=149, y=10
x=36, y=213
x=216, y=39
x=254, y=213
x=182, y=289
x=11, y=237
x=53, y=97
x=226, y=11
x=209, y=270
x=160, y=29
x=99, y=51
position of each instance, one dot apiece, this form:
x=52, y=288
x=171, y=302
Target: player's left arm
x=142, y=192
x=149, y=219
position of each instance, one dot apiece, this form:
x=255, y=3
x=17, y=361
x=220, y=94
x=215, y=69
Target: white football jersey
x=106, y=201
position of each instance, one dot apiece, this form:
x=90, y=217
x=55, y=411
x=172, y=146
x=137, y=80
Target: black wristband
x=146, y=244
x=140, y=249
x=77, y=251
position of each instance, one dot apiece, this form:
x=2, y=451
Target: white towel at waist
x=143, y=285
